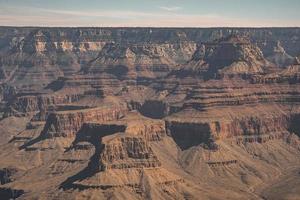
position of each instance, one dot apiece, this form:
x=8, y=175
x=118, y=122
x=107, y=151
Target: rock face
x=6, y=175
x=290, y=74
x=127, y=152
x=148, y=113
x=67, y=123
x=38, y=102
x=218, y=125
x=280, y=57
x=125, y=143
x=233, y=55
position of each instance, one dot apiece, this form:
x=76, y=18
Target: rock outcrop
x=233, y=55
x=226, y=123
x=147, y=113
x=290, y=74
x=280, y=57
x=31, y=103
x=127, y=152
x=67, y=123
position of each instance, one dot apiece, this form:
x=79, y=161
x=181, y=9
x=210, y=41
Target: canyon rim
x=128, y=100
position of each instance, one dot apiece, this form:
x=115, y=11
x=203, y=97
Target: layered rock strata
x=67, y=123
x=117, y=112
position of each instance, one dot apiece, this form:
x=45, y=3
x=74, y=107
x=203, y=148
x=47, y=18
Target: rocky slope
x=149, y=113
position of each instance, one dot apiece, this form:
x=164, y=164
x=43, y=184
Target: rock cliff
x=147, y=113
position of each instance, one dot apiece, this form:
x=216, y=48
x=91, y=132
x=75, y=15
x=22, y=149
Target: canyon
x=149, y=113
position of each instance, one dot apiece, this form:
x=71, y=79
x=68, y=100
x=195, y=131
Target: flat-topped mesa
x=151, y=130
x=132, y=124
x=207, y=127
x=121, y=151
x=68, y=123
x=123, y=143
x=30, y=103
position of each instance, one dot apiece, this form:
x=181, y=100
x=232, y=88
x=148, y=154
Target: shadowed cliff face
x=7, y=193
x=92, y=133
x=148, y=113
x=295, y=124
x=154, y=109
x=6, y=175
x=187, y=135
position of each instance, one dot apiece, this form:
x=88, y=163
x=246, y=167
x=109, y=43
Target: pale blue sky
x=170, y=13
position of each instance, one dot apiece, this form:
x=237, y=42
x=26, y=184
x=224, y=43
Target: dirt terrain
x=149, y=113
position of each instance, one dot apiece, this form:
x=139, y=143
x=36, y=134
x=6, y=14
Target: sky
x=151, y=13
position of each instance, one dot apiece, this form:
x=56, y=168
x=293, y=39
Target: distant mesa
x=149, y=113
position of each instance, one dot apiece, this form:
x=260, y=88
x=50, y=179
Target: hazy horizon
x=156, y=13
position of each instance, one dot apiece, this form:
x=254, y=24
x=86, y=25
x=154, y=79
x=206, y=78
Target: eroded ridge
x=147, y=113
